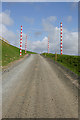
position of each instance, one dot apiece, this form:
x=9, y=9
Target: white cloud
x=70, y=44
x=69, y=18
x=38, y=34
x=52, y=18
x=5, y=18
x=7, y=34
x=29, y=20
x=49, y=19
x=70, y=39
x=40, y=46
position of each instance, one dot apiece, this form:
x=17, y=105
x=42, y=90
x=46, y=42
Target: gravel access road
x=37, y=88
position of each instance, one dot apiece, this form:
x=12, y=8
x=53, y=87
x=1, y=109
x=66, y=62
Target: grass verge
x=11, y=53
x=69, y=61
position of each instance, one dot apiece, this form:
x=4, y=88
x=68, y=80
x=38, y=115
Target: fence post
x=26, y=44
x=55, y=56
x=21, y=42
x=61, y=38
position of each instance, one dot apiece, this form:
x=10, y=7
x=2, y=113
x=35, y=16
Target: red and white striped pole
x=26, y=44
x=61, y=38
x=48, y=44
x=21, y=42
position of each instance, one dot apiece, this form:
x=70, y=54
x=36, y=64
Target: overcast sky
x=40, y=20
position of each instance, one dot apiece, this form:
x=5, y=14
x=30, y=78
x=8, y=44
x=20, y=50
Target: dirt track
x=37, y=89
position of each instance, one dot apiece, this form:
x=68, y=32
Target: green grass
x=69, y=61
x=11, y=53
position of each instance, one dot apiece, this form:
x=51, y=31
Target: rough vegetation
x=11, y=53
x=69, y=61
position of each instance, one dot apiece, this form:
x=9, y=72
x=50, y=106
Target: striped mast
x=61, y=38
x=26, y=44
x=48, y=44
x=21, y=42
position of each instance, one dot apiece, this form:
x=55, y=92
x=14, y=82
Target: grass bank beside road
x=69, y=61
x=11, y=53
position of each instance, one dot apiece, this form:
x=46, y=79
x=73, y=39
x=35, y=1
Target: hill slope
x=11, y=53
